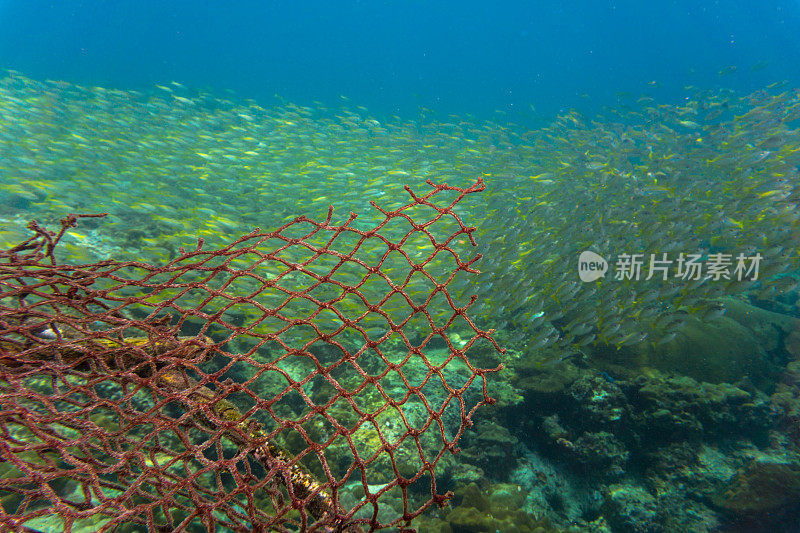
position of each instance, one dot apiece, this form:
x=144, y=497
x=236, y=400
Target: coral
x=767, y=326
x=584, y=423
x=792, y=344
x=631, y=509
x=671, y=409
x=598, y=403
x=786, y=399
x=682, y=476
x=646, y=450
x=720, y=351
x=601, y=451
x=463, y=473
x=762, y=488
x=536, y=379
x=743, y=344
x=497, y=509
x=491, y=447
x=555, y=492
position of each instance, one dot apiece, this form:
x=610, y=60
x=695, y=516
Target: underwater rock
x=553, y=491
x=506, y=496
x=786, y=400
x=683, y=476
x=631, y=509
x=715, y=352
x=762, y=488
x=434, y=525
x=463, y=472
x=768, y=327
x=584, y=425
x=537, y=379
x=601, y=452
x=496, y=509
x=492, y=449
x=392, y=501
x=792, y=344
x=672, y=409
x=745, y=343
x=471, y=496
x=472, y=520
x=604, y=428
x=553, y=429
x=598, y=403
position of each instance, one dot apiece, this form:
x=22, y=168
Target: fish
x=713, y=173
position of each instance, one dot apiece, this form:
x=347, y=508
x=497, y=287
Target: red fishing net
x=306, y=379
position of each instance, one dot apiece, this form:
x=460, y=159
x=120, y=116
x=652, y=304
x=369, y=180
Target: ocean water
x=637, y=225
x=393, y=57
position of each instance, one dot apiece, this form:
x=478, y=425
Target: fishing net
x=307, y=379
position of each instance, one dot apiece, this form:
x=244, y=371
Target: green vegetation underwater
x=639, y=232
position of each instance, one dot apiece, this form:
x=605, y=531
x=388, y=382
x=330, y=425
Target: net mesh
x=306, y=379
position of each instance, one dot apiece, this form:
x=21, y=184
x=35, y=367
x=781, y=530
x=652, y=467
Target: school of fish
x=715, y=176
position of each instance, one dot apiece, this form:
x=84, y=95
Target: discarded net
x=306, y=379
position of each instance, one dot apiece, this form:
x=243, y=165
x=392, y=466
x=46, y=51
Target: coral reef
x=764, y=495
x=496, y=509
x=625, y=446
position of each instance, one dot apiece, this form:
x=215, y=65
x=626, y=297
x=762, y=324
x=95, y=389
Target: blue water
x=527, y=59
